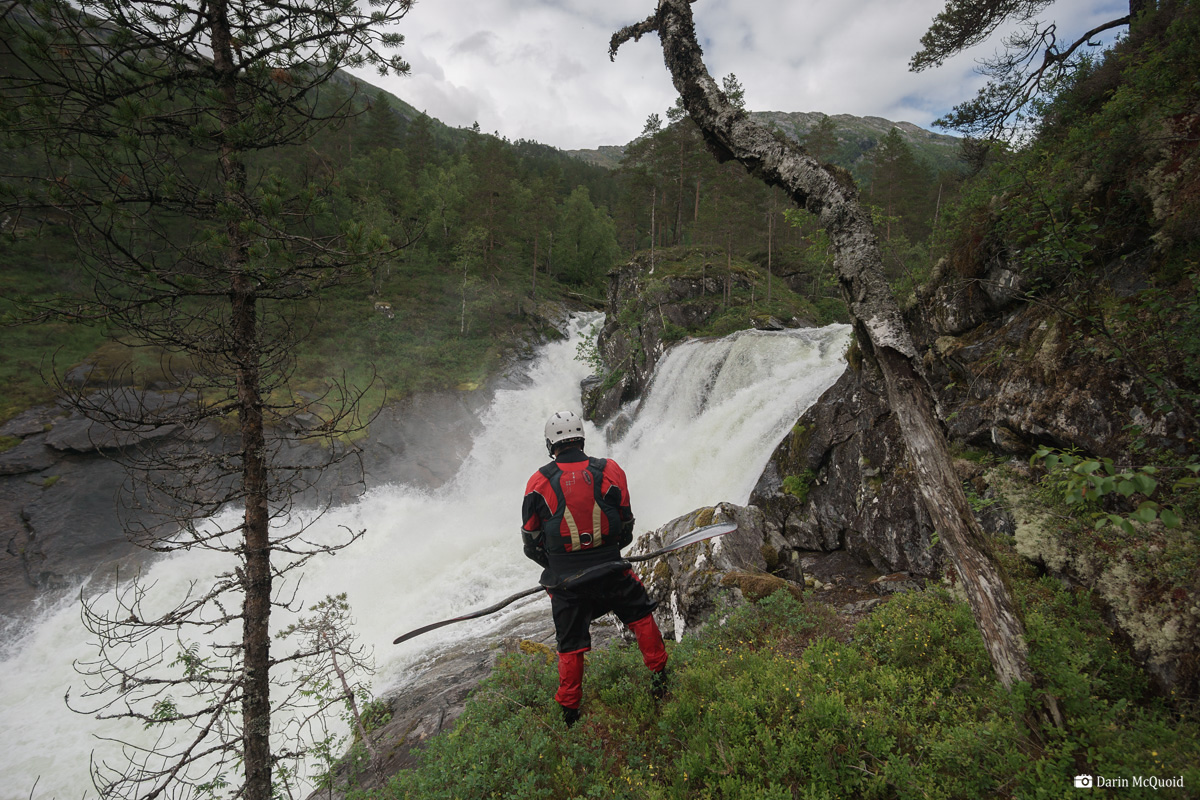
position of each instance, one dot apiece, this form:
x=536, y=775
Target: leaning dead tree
x=829, y=193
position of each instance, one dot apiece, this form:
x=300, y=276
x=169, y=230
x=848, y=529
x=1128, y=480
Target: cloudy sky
x=539, y=69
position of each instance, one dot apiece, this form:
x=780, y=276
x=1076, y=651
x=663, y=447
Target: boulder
x=31, y=455
x=695, y=583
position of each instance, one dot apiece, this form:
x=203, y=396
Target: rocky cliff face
x=840, y=480
x=1010, y=375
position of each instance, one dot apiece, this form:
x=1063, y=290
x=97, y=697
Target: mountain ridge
x=856, y=137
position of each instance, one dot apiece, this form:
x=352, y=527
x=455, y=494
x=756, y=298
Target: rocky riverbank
x=66, y=511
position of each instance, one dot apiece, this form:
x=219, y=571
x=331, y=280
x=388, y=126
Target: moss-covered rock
x=1158, y=616
x=656, y=300
x=693, y=584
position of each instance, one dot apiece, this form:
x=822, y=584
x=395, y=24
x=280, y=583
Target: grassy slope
x=787, y=700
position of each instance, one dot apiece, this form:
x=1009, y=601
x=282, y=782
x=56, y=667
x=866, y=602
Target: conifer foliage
x=1031, y=65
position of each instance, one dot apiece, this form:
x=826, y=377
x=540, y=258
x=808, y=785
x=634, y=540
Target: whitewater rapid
x=702, y=434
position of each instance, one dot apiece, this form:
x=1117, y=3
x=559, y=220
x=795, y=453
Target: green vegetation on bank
x=785, y=700
x=1096, y=219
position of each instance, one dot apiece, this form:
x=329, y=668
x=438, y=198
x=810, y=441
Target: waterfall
x=702, y=434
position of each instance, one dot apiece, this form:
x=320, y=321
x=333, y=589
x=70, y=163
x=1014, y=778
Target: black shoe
x=570, y=715
x=659, y=684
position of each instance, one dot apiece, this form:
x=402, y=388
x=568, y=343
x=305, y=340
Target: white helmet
x=562, y=426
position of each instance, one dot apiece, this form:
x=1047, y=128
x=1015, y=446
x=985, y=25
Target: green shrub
x=798, y=485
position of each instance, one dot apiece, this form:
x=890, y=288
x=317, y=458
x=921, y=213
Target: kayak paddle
x=691, y=537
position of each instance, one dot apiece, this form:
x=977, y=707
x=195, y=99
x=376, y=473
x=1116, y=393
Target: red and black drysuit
x=576, y=518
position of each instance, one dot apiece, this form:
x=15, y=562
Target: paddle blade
x=700, y=534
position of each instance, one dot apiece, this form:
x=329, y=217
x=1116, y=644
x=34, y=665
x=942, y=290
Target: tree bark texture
x=256, y=526
x=829, y=193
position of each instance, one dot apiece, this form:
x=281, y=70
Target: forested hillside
x=490, y=229
x=483, y=221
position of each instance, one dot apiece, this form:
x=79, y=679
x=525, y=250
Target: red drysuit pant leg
x=570, y=679
x=650, y=642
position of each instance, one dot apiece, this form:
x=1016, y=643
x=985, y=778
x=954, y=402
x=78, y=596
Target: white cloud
x=539, y=69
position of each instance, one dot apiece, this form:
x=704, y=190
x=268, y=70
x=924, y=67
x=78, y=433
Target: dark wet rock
x=30, y=422
x=840, y=480
x=78, y=434
x=60, y=525
x=836, y=569
x=31, y=455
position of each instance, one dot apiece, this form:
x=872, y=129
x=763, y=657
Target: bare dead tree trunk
x=830, y=194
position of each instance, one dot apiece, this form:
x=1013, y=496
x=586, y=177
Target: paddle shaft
x=683, y=541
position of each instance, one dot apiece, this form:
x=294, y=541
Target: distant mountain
x=856, y=136
x=608, y=156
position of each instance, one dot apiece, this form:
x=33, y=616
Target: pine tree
x=1032, y=61
x=170, y=137
x=821, y=140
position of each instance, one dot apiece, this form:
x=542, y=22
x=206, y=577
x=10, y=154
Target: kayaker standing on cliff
x=576, y=518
